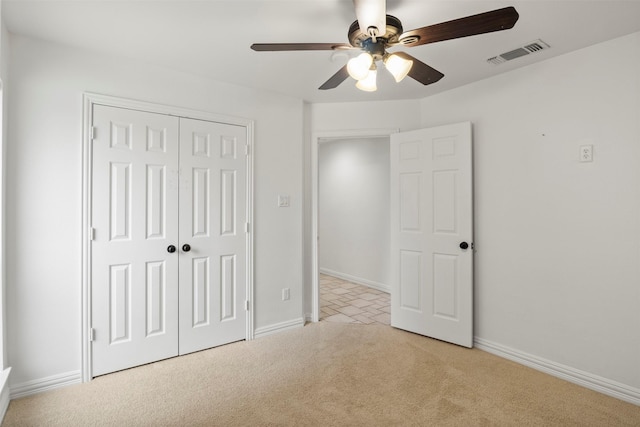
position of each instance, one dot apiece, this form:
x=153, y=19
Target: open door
x=432, y=232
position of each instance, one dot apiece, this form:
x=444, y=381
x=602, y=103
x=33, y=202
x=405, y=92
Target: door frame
x=317, y=139
x=91, y=99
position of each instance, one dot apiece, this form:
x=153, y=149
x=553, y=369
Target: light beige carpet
x=326, y=374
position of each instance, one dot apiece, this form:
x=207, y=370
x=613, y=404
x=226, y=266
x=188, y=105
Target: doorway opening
x=351, y=273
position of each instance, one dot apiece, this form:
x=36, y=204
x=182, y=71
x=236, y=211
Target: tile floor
x=346, y=302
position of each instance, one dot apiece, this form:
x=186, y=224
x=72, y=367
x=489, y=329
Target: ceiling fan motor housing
x=361, y=39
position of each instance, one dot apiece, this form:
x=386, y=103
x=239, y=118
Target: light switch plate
x=283, y=201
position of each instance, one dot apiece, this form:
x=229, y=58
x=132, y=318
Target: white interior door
x=213, y=214
x=135, y=219
x=431, y=233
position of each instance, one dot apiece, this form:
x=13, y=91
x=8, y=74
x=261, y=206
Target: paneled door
x=169, y=244
x=431, y=233
x=135, y=224
x=212, y=234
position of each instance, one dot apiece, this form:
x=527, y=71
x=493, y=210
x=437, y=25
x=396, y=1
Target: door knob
x=464, y=245
x=186, y=247
x=171, y=249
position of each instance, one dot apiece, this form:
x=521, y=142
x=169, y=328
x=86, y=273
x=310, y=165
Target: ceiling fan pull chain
x=373, y=33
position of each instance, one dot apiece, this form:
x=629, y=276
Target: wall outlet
x=586, y=153
x=286, y=294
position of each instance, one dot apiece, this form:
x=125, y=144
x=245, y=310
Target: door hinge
x=92, y=234
x=92, y=335
x=246, y=227
x=92, y=133
x=246, y=305
x=247, y=150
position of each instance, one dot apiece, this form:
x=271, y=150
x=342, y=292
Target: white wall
x=348, y=117
x=351, y=116
x=353, y=225
x=558, y=242
x=44, y=192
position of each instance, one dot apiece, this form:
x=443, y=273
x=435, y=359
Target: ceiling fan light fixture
x=358, y=67
x=397, y=66
x=368, y=84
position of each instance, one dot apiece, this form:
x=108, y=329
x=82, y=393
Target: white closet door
x=431, y=232
x=135, y=219
x=213, y=214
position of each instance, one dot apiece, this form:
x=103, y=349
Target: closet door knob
x=464, y=245
x=171, y=249
x=186, y=247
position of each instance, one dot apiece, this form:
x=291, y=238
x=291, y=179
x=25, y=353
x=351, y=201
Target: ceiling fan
x=374, y=32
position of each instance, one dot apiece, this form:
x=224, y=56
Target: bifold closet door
x=213, y=215
x=168, y=260
x=134, y=273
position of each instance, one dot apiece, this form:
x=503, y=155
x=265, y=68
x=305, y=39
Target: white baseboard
x=358, y=280
x=279, y=327
x=4, y=392
x=43, y=384
x=576, y=376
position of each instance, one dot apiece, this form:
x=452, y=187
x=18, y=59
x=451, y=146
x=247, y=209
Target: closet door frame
x=91, y=99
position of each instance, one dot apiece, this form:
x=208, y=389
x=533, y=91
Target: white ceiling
x=212, y=37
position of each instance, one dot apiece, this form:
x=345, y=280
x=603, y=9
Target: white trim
x=317, y=139
x=4, y=392
x=170, y=110
x=358, y=280
x=250, y=329
x=85, y=293
x=576, y=376
x=279, y=327
x=44, y=384
x=91, y=99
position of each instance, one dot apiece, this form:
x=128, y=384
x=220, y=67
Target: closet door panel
x=213, y=212
x=134, y=279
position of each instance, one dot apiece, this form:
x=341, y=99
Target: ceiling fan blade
x=487, y=22
x=270, y=47
x=336, y=79
x=421, y=71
